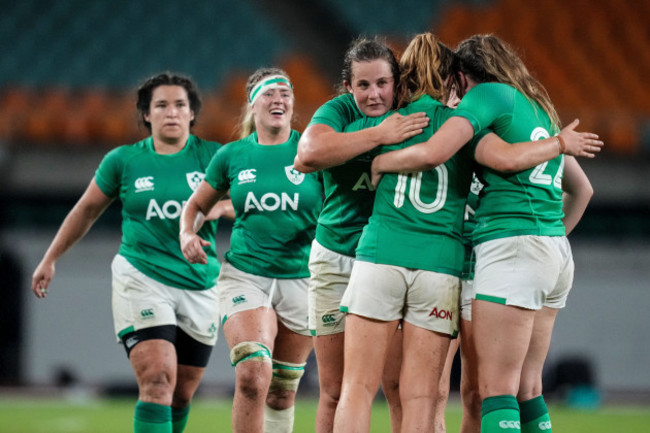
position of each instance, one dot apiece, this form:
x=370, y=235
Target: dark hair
x=365, y=49
x=145, y=93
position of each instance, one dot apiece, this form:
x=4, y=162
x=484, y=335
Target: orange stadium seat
x=311, y=89
x=593, y=67
x=15, y=104
x=213, y=122
x=46, y=118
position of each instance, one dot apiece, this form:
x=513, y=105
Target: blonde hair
x=425, y=66
x=247, y=120
x=487, y=58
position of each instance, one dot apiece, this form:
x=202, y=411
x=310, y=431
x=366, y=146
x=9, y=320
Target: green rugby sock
x=179, y=419
x=500, y=414
x=152, y=418
x=534, y=416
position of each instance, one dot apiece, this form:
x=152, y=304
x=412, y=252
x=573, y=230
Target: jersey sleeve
x=484, y=104
x=337, y=113
x=211, y=146
x=471, y=145
x=217, y=172
x=108, y=174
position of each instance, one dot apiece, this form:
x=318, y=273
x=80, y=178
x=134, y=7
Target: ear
x=192, y=115
x=347, y=85
x=146, y=117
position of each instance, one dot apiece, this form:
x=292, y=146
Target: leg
x=390, y=381
x=329, y=356
x=531, y=402
x=425, y=353
x=154, y=364
x=188, y=379
x=502, y=336
x=289, y=358
x=470, y=398
x=253, y=373
x=531, y=374
x=192, y=358
x=361, y=375
x=443, y=389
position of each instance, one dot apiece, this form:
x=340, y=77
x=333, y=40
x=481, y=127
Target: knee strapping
x=249, y=350
x=286, y=376
x=278, y=421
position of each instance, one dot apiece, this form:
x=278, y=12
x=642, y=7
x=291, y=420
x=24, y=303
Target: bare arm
x=222, y=209
x=192, y=217
x=321, y=146
x=499, y=155
x=76, y=224
x=577, y=193
x=452, y=135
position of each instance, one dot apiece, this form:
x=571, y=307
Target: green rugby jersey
x=276, y=206
x=152, y=188
x=417, y=218
x=469, y=222
x=513, y=204
x=348, y=192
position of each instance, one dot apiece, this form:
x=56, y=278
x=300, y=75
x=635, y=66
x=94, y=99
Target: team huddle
x=423, y=210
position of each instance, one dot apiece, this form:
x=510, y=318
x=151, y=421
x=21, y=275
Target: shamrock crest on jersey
x=294, y=175
x=194, y=179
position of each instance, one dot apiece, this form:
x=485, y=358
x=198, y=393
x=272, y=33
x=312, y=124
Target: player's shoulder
x=205, y=144
x=125, y=152
x=238, y=146
x=493, y=90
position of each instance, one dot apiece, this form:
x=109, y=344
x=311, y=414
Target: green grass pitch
x=210, y=415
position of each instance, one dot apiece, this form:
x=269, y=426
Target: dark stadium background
x=68, y=70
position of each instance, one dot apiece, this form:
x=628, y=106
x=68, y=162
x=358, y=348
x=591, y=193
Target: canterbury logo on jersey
x=247, y=176
x=441, y=314
x=144, y=184
x=296, y=177
x=271, y=201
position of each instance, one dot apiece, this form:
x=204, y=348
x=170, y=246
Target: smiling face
x=273, y=109
x=170, y=114
x=373, y=86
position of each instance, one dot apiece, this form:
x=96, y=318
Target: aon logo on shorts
x=509, y=424
x=544, y=425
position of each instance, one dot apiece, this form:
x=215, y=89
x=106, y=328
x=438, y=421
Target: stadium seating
x=69, y=80
x=592, y=66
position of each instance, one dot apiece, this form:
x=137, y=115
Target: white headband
x=268, y=83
